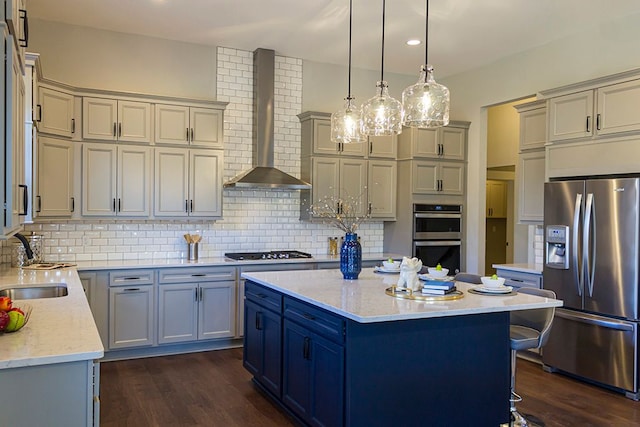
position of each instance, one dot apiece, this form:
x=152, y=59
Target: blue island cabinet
x=439, y=371
x=262, y=354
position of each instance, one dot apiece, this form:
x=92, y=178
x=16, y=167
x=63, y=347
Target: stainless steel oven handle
x=437, y=242
x=437, y=215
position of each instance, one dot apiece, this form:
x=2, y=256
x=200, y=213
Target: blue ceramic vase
x=350, y=257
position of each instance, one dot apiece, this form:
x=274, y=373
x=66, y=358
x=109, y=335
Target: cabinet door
x=263, y=346
x=205, y=183
x=325, y=176
x=177, y=313
x=382, y=189
x=426, y=142
x=216, y=311
x=496, y=199
x=533, y=128
x=134, y=186
x=55, y=178
x=172, y=124
x=171, y=182
x=571, y=116
x=385, y=147
x=424, y=177
x=206, y=127
x=618, y=108
x=54, y=112
x=296, y=372
x=134, y=121
x=98, y=180
x=322, y=143
x=99, y=119
x=451, y=178
x=452, y=142
x=530, y=177
x=353, y=184
x=131, y=316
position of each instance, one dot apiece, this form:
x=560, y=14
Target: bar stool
x=528, y=329
x=468, y=278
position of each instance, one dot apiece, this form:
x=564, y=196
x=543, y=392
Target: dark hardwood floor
x=213, y=389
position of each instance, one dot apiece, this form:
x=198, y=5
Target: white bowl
x=492, y=283
x=394, y=265
x=437, y=273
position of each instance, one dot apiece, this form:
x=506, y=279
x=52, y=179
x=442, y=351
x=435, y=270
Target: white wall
x=601, y=51
x=91, y=58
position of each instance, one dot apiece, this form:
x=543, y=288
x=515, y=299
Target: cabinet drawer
x=520, y=279
x=183, y=275
x=326, y=324
x=131, y=277
x=262, y=296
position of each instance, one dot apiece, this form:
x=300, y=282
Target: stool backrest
x=468, y=278
x=539, y=319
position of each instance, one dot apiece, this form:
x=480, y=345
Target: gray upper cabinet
x=54, y=113
x=188, y=125
x=446, y=143
x=316, y=132
x=116, y=120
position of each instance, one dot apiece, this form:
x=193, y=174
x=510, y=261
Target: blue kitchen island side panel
x=446, y=371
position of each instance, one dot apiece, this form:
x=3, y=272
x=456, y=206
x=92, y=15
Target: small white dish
x=494, y=289
x=393, y=265
x=379, y=269
x=492, y=283
x=430, y=277
x=437, y=273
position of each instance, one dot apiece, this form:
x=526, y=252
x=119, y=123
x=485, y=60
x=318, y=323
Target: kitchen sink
x=54, y=290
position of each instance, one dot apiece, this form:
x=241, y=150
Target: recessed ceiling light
x=413, y=42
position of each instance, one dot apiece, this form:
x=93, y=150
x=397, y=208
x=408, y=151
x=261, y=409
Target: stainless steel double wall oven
x=437, y=235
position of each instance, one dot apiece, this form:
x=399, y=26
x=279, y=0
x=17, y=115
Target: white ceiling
x=463, y=34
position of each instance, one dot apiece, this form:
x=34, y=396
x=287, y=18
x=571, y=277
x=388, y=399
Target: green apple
x=16, y=321
x=438, y=267
x=494, y=277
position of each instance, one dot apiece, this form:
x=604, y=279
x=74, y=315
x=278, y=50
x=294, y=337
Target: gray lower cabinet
x=59, y=394
x=131, y=309
x=196, y=304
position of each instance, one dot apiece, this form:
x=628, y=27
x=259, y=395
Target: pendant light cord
x=350, y=26
x=382, y=59
x=426, y=34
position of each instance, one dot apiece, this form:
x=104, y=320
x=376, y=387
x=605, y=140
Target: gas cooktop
x=270, y=255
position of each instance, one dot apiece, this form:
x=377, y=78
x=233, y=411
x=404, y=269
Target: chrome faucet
x=25, y=243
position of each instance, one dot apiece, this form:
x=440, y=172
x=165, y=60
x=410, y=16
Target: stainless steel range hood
x=264, y=174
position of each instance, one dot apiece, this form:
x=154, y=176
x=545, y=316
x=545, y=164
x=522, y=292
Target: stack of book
x=438, y=287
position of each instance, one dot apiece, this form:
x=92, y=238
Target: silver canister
x=19, y=253
x=192, y=251
x=36, y=241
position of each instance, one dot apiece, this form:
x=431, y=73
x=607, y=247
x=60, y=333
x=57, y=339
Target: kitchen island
x=49, y=373
x=339, y=352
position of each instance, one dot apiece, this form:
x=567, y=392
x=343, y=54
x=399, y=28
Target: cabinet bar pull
x=25, y=199
x=132, y=278
x=195, y=293
x=191, y=205
x=198, y=275
x=308, y=316
x=262, y=296
x=588, y=123
x=119, y=129
x=114, y=204
x=370, y=207
x=305, y=348
x=598, y=121
x=370, y=147
x=186, y=206
x=119, y=205
x=39, y=119
x=258, y=323
x=201, y=293
x=73, y=125
x=187, y=134
x=191, y=134
x=73, y=204
x=24, y=42
x=115, y=126
x=39, y=203
x=131, y=289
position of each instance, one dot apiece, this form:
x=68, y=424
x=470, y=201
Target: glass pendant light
x=345, y=123
x=426, y=103
x=382, y=114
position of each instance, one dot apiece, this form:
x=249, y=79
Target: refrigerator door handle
x=593, y=320
x=576, y=222
x=589, y=243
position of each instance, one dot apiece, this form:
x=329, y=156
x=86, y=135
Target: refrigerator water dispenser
x=557, y=246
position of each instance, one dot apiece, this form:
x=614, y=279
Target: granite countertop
x=364, y=300
x=214, y=262
x=521, y=267
x=59, y=329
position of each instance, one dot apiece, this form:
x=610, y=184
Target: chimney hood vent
x=264, y=174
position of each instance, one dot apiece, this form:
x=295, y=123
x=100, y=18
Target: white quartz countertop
x=521, y=267
x=364, y=300
x=215, y=262
x=59, y=329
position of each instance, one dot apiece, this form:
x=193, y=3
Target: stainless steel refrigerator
x=592, y=237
